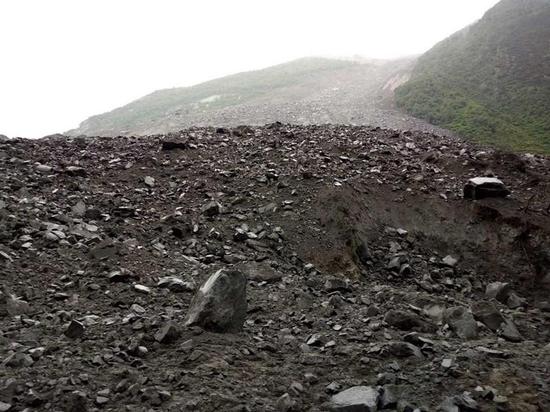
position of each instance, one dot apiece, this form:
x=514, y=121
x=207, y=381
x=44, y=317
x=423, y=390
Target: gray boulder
x=462, y=322
x=488, y=314
x=482, y=187
x=355, y=399
x=499, y=291
x=220, y=303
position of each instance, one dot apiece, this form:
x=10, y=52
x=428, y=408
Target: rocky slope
x=490, y=81
x=305, y=91
x=371, y=283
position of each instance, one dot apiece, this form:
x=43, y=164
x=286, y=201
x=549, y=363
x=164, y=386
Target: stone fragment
x=509, y=331
x=220, y=304
x=355, y=399
x=499, y=291
x=121, y=275
x=260, y=272
x=333, y=284
x=462, y=322
x=404, y=350
x=168, y=333
x=482, y=187
x=12, y=305
x=212, y=208
x=450, y=261
x=75, y=330
x=407, y=321
x=285, y=403
x=389, y=397
x=149, y=181
x=488, y=314
x=175, y=284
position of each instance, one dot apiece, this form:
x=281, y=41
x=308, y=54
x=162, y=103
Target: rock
x=482, y=187
x=175, y=284
x=362, y=251
x=43, y=168
x=142, y=289
x=77, y=402
x=285, y=403
x=171, y=145
x=4, y=407
x=389, y=397
x=462, y=322
x=450, y=261
x=488, y=314
x=499, y=291
x=514, y=301
x=75, y=330
x=404, y=350
x=168, y=333
x=12, y=305
x=220, y=304
x=407, y=321
x=149, y=181
x=212, y=208
x=260, y=272
x=355, y=399
x=79, y=209
x=510, y=332
x=121, y=275
x=333, y=284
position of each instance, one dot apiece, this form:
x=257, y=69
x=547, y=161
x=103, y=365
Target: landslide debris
x=371, y=282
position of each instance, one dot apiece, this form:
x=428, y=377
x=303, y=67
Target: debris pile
x=278, y=268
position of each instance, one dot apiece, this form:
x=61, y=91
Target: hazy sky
x=64, y=60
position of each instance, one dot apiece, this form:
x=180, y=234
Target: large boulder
x=482, y=187
x=499, y=291
x=488, y=314
x=462, y=322
x=220, y=303
x=356, y=399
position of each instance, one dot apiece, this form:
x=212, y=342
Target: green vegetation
x=491, y=81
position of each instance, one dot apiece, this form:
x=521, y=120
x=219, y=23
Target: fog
x=64, y=60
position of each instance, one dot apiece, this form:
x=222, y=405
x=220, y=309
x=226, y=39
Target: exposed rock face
x=220, y=303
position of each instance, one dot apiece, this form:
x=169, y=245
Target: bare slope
x=305, y=91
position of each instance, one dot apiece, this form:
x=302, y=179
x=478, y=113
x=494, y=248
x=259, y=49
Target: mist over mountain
x=490, y=81
x=304, y=91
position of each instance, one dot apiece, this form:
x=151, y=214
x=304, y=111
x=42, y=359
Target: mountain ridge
x=489, y=81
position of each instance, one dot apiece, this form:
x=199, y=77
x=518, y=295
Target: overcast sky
x=64, y=60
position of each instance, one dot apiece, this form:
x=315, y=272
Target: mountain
x=304, y=91
x=491, y=80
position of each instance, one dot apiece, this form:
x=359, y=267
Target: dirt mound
x=366, y=267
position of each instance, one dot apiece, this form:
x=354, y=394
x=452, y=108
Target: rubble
x=376, y=282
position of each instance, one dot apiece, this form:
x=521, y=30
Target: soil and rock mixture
x=370, y=282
